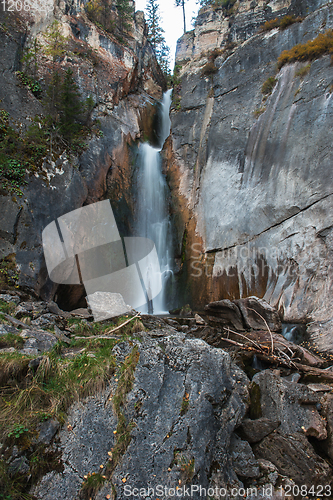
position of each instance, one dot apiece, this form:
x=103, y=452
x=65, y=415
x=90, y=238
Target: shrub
x=303, y=71
x=213, y=54
x=209, y=69
x=289, y=20
x=29, y=82
x=268, y=85
x=280, y=23
x=308, y=51
x=259, y=112
x=270, y=25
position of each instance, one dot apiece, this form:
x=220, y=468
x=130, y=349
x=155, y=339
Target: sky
x=172, y=21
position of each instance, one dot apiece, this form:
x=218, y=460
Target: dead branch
x=107, y=332
x=258, y=346
x=272, y=341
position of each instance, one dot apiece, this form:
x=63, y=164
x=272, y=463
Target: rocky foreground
x=96, y=411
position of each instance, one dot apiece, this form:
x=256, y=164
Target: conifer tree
x=57, y=43
x=182, y=4
x=155, y=31
x=52, y=100
x=71, y=106
x=163, y=58
x=31, y=58
x=156, y=37
x=125, y=14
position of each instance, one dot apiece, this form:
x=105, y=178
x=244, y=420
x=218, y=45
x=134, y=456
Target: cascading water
x=153, y=219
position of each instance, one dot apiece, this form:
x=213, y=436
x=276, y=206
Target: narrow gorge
x=220, y=386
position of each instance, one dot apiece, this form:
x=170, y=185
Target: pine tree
x=52, y=100
x=31, y=59
x=125, y=14
x=163, y=58
x=155, y=31
x=182, y=4
x=56, y=42
x=71, y=106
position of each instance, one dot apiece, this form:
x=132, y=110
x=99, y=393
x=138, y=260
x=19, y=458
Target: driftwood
x=262, y=348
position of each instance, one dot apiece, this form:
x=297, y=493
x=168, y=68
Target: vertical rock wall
x=124, y=81
x=252, y=177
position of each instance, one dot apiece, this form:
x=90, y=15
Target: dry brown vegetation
x=322, y=44
x=280, y=23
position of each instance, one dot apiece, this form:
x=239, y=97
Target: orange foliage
x=282, y=23
x=308, y=51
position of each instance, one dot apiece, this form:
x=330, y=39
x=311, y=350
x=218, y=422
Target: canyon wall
x=124, y=81
x=252, y=176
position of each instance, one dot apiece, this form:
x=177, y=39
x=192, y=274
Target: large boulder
x=186, y=400
x=258, y=314
x=255, y=430
x=226, y=314
x=327, y=412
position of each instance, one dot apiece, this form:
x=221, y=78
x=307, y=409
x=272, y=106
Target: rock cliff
x=122, y=78
x=251, y=173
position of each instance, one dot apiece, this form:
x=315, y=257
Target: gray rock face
x=47, y=431
x=227, y=312
x=258, y=315
x=185, y=402
x=294, y=457
x=294, y=405
x=107, y=305
x=85, y=441
x=63, y=186
x=243, y=459
x=255, y=430
x=327, y=405
x=261, y=188
x=38, y=340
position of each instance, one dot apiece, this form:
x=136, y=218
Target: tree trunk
x=183, y=5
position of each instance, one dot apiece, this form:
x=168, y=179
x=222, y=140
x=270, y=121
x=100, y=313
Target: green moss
x=302, y=72
x=185, y=404
x=7, y=307
x=123, y=435
x=54, y=386
x=255, y=398
x=259, y=112
x=92, y=483
x=11, y=340
x=187, y=468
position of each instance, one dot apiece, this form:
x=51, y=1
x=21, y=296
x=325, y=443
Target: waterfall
x=153, y=219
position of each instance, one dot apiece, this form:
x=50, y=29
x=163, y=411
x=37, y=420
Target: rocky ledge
x=150, y=405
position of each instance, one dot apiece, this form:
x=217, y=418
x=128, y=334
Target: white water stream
x=153, y=219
